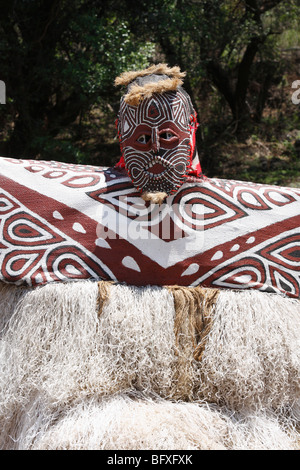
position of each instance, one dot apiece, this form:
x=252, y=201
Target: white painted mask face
x=156, y=141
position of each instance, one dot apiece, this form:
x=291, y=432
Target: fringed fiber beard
x=87, y=365
x=154, y=198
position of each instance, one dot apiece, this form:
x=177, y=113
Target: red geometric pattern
x=61, y=222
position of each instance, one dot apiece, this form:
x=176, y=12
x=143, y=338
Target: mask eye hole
x=143, y=139
x=169, y=139
x=167, y=135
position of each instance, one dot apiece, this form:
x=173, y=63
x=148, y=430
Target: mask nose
x=155, y=145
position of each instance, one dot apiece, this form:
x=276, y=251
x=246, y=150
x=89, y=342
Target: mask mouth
x=156, y=169
x=157, y=166
x=157, y=173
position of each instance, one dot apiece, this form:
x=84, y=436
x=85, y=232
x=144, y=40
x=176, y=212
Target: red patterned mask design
x=157, y=141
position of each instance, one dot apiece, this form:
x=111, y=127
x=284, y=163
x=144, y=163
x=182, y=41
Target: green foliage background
x=59, y=60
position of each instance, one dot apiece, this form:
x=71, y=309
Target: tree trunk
x=221, y=79
x=241, y=111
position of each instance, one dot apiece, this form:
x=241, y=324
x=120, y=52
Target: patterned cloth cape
x=61, y=222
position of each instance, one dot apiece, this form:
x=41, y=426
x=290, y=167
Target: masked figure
x=156, y=126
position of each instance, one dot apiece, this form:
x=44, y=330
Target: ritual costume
x=153, y=219
x=146, y=306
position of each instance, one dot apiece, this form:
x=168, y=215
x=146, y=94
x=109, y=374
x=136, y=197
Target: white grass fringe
x=71, y=379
